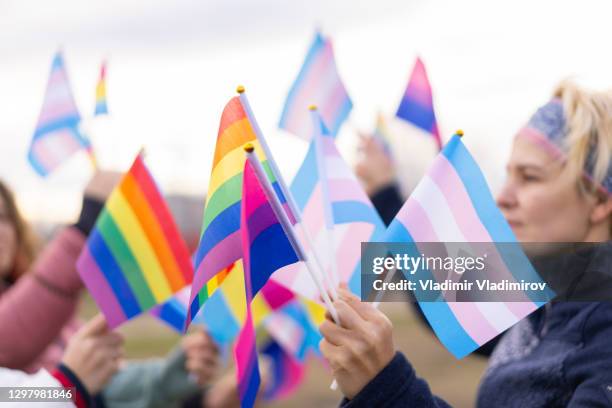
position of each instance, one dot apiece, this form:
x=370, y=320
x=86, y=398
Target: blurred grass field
x=454, y=380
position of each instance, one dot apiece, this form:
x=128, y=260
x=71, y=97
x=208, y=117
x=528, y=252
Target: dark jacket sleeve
x=396, y=386
x=387, y=202
x=589, y=369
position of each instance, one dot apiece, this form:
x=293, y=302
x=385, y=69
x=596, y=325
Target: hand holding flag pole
x=287, y=193
x=287, y=227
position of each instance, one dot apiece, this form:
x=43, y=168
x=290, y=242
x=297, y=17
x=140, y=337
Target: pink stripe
x=313, y=211
x=100, y=289
x=64, y=145
x=329, y=147
x=55, y=111
x=521, y=309
x=221, y=256
x=473, y=321
x=244, y=346
x=346, y=190
x=333, y=102
x=252, y=190
x=416, y=221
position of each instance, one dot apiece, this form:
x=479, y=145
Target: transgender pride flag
x=354, y=217
x=452, y=204
x=57, y=134
x=317, y=83
x=416, y=106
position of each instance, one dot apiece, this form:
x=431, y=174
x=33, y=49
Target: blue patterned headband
x=547, y=128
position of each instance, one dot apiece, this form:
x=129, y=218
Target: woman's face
x=541, y=202
x=8, y=241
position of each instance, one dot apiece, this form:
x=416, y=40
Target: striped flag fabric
x=382, y=134
x=319, y=83
x=416, y=106
x=57, y=135
x=266, y=248
x=101, y=106
x=135, y=257
x=286, y=373
x=355, y=218
x=220, y=245
x=452, y=204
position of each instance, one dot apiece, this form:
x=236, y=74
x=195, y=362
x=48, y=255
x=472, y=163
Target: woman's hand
x=361, y=348
x=202, y=356
x=375, y=169
x=93, y=354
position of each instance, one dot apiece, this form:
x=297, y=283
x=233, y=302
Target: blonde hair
x=588, y=116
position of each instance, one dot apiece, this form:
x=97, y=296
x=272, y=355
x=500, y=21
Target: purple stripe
x=260, y=219
x=100, y=289
x=219, y=257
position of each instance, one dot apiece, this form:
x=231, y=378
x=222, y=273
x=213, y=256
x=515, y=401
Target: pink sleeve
x=34, y=310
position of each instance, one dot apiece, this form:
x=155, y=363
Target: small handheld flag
x=416, y=106
x=319, y=83
x=135, y=257
x=101, y=106
x=452, y=204
x=57, y=135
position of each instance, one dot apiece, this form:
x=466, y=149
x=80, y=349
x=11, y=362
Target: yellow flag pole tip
x=459, y=132
x=249, y=148
x=240, y=89
x=312, y=107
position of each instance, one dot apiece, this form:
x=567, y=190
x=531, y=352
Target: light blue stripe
x=218, y=319
x=355, y=211
x=341, y=116
x=306, y=179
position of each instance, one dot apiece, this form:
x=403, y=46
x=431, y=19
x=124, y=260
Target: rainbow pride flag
x=57, y=135
x=266, y=248
x=220, y=244
x=355, y=218
x=416, y=106
x=452, y=204
x=319, y=83
x=101, y=106
x=135, y=257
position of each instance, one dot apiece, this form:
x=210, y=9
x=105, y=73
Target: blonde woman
x=558, y=189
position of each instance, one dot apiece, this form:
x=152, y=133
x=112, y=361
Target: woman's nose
x=506, y=198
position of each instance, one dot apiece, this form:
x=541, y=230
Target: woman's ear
x=602, y=209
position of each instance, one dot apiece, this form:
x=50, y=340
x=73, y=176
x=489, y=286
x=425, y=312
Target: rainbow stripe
x=416, y=106
x=57, y=135
x=220, y=240
x=355, y=218
x=135, y=257
x=319, y=83
x=101, y=107
x=453, y=204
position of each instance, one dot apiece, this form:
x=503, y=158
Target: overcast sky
x=174, y=64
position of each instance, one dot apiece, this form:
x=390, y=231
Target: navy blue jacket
x=559, y=356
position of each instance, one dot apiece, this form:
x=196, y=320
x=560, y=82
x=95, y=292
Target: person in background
x=38, y=300
x=558, y=189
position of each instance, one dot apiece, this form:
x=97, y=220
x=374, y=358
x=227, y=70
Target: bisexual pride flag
x=416, y=106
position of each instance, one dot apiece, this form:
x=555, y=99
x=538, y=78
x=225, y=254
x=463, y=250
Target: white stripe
x=497, y=314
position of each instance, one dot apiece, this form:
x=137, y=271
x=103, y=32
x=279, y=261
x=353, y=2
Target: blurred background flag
x=266, y=248
x=101, y=106
x=416, y=106
x=319, y=83
x=452, y=204
x=220, y=243
x=134, y=257
x=57, y=135
x=355, y=218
